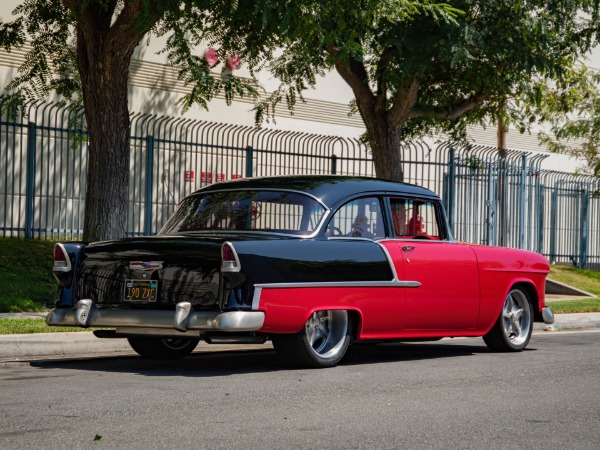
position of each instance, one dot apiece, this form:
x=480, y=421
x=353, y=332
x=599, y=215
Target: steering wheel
x=422, y=236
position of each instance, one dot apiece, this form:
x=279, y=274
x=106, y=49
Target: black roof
x=328, y=188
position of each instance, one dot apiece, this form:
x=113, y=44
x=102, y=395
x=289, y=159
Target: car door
x=448, y=295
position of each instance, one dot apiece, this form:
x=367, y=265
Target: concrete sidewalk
x=16, y=347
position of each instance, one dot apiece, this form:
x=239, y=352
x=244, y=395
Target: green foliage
x=577, y=134
x=468, y=61
x=53, y=65
x=186, y=30
x=50, y=65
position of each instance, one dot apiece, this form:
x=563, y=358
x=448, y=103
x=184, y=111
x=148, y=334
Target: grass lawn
x=576, y=306
x=32, y=325
x=582, y=279
x=26, y=280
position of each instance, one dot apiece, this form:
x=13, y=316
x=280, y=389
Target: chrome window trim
x=201, y=192
x=391, y=262
x=423, y=241
x=317, y=230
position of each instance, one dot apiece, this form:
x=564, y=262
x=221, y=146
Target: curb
x=574, y=322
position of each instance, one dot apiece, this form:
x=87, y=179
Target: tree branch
x=403, y=104
x=124, y=29
x=354, y=73
x=386, y=57
x=453, y=112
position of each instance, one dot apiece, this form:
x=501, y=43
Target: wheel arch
x=355, y=317
x=532, y=295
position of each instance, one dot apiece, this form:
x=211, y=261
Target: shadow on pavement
x=223, y=363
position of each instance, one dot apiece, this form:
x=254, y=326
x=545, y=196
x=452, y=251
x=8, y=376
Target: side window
x=358, y=218
x=415, y=218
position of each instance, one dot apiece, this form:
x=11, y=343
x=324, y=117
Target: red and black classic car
x=308, y=262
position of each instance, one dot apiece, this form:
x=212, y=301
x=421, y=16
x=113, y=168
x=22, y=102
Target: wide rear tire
x=512, y=330
x=322, y=342
x=162, y=348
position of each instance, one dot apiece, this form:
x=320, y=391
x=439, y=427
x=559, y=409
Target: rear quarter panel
x=294, y=278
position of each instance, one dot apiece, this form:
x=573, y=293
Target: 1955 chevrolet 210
x=308, y=262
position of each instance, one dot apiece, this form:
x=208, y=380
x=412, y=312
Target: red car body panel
x=461, y=297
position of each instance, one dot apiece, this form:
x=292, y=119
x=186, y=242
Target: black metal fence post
x=30, y=179
x=452, y=190
x=149, y=184
x=583, y=245
x=249, y=161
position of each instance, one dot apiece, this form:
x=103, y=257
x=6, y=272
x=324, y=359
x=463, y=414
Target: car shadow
x=224, y=363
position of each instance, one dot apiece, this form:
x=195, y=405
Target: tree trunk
x=502, y=167
x=387, y=152
x=106, y=203
x=384, y=127
x=385, y=141
x=104, y=59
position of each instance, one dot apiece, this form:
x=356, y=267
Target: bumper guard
x=548, y=315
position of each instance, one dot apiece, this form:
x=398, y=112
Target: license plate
x=141, y=290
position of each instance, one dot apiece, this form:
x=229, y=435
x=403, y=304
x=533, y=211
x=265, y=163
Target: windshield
x=272, y=211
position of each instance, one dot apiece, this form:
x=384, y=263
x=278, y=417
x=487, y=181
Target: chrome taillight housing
x=229, y=258
x=62, y=268
x=62, y=262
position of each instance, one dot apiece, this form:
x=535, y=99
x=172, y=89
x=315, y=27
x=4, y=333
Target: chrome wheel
x=512, y=330
x=326, y=331
x=322, y=342
x=516, y=317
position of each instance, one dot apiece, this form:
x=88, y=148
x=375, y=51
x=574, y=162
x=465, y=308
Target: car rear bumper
x=183, y=319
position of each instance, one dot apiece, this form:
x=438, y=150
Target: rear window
x=271, y=211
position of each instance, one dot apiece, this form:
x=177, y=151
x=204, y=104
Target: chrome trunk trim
x=87, y=314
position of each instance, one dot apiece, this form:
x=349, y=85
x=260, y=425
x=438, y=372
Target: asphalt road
x=447, y=394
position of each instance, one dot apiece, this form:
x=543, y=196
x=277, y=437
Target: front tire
x=322, y=342
x=512, y=330
x=162, y=348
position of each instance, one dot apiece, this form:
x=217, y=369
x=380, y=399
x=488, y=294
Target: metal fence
x=43, y=170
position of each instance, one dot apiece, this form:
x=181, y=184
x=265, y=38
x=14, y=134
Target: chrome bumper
x=184, y=319
x=547, y=315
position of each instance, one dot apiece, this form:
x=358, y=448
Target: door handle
x=408, y=248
